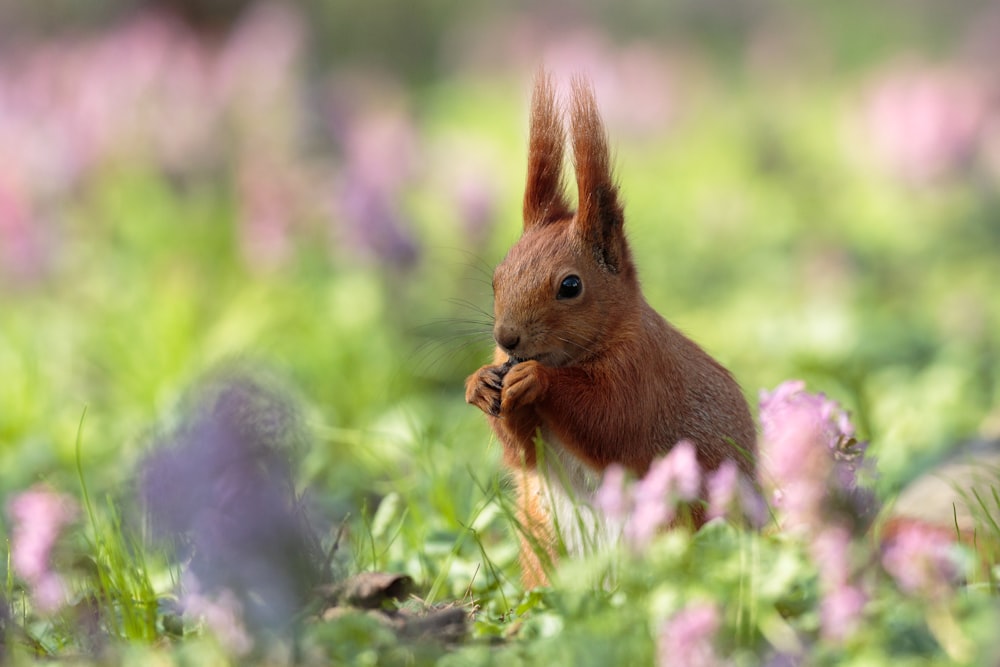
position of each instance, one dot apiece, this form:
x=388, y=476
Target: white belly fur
x=566, y=492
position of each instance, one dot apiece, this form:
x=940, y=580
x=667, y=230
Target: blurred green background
x=321, y=189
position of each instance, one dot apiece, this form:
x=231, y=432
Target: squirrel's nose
x=507, y=338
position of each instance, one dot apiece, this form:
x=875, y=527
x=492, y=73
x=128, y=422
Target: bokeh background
x=319, y=191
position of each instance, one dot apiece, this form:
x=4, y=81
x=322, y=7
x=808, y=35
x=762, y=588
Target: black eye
x=570, y=288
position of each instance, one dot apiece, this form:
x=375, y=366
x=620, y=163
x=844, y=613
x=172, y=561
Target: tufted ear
x=599, y=217
x=544, y=193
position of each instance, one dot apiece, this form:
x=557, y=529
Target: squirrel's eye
x=571, y=287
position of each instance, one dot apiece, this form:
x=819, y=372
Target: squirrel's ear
x=599, y=217
x=544, y=194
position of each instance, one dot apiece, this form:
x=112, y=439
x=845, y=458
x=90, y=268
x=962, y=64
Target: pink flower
x=731, y=494
x=687, y=638
x=222, y=615
x=807, y=451
x=923, y=122
x=797, y=465
x=686, y=472
x=841, y=612
x=39, y=516
x=921, y=559
x=612, y=496
x=791, y=397
x=723, y=489
x=675, y=477
x=842, y=603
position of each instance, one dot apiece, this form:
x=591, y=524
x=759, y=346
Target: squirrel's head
x=569, y=283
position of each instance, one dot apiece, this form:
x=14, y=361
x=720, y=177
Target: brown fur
x=601, y=374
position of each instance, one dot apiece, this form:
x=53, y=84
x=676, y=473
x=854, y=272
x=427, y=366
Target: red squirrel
x=582, y=360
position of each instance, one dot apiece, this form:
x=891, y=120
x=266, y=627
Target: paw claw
x=483, y=389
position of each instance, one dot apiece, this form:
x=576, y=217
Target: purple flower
x=687, y=638
x=221, y=486
x=921, y=559
x=372, y=221
x=39, y=516
x=380, y=154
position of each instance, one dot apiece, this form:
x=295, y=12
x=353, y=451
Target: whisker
x=449, y=323
x=573, y=342
x=465, y=303
x=432, y=353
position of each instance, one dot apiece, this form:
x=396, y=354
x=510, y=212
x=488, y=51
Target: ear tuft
x=544, y=193
x=599, y=217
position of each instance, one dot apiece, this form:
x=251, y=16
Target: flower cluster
x=809, y=457
x=152, y=91
x=810, y=462
x=650, y=504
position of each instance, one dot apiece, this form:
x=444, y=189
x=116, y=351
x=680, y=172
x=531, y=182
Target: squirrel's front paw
x=524, y=384
x=482, y=388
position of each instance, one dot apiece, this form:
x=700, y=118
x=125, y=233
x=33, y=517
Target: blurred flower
x=221, y=613
x=730, y=493
x=687, y=638
x=635, y=84
x=39, y=516
x=635, y=81
x=258, y=74
x=841, y=611
x=148, y=89
x=921, y=559
x=789, y=397
x=684, y=469
x=797, y=464
x=924, y=122
x=655, y=496
x=649, y=505
x=267, y=208
x=783, y=659
x=222, y=487
x=842, y=603
x=612, y=495
x=809, y=456
x=23, y=255
x=380, y=153
x=723, y=488
x=372, y=221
